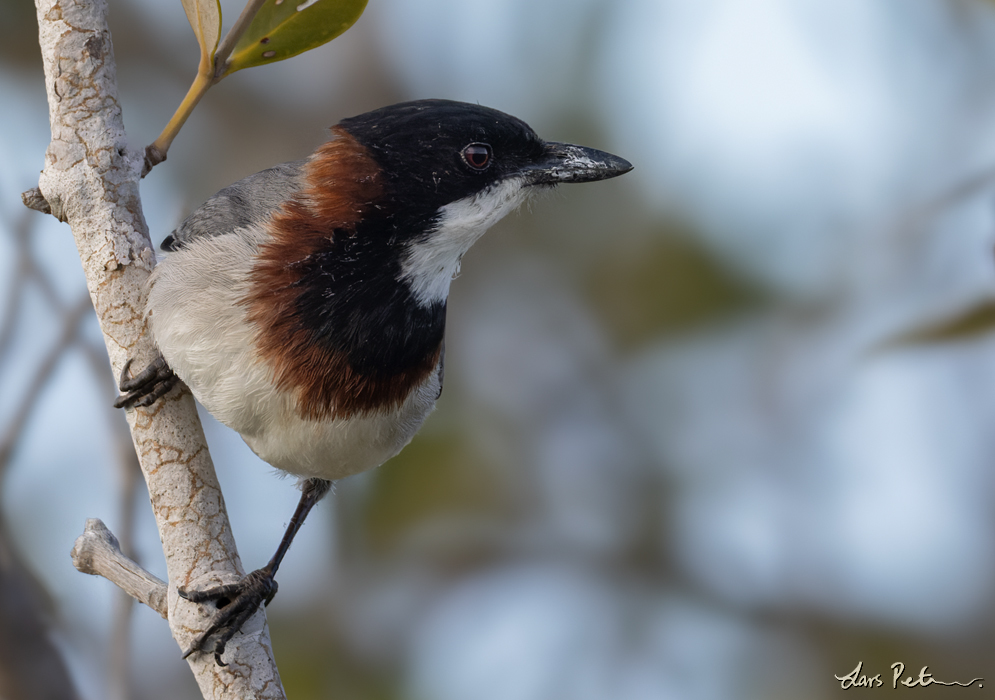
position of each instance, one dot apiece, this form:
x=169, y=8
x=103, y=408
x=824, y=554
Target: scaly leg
x=237, y=601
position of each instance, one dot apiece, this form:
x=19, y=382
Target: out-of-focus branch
x=44, y=369
x=14, y=292
x=917, y=220
x=129, y=474
x=90, y=180
x=31, y=668
x=119, y=653
x=97, y=552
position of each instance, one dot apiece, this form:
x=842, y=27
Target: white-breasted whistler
x=305, y=306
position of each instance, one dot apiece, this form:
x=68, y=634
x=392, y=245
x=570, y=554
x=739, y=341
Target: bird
x=305, y=305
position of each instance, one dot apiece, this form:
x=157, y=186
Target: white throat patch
x=432, y=262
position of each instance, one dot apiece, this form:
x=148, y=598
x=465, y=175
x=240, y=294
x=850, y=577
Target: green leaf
x=285, y=28
x=205, y=19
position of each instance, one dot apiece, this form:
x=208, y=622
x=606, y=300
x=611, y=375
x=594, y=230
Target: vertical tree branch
x=91, y=180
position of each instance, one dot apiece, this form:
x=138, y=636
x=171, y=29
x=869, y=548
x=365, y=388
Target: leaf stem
x=208, y=73
x=227, y=44
x=156, y=152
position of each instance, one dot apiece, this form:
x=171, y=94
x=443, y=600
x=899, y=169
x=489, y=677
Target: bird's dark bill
x=565, y=162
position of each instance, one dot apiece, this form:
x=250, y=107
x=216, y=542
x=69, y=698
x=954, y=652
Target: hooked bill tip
x=566, y=162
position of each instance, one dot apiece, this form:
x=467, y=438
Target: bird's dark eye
x=477, y=156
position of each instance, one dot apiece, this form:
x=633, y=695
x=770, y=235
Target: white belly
x=199, y=323
x=332, y=449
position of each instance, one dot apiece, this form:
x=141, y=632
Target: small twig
x=97, y=552
x=34, y=199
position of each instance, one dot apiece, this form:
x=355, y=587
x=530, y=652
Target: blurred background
x=719, y=429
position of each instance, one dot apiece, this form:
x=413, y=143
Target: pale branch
x=33, y=199
x=90, y=180
x=98, y=553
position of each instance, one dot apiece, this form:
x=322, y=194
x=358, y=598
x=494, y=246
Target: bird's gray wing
x=248, y=201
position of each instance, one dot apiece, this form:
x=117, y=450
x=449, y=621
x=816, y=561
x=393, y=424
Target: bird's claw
x=236, y=603
x=147, y=386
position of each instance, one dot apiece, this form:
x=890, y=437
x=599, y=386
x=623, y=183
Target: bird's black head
x=451, y=170
x=439, y=151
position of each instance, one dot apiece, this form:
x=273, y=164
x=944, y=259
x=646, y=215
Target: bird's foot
x=236, y=603
x=145, y=387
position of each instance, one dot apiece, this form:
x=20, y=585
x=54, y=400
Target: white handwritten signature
x=857, y=679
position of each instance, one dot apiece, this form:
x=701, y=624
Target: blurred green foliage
x=434, y=476
x=667, y=285
x=315, y=664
